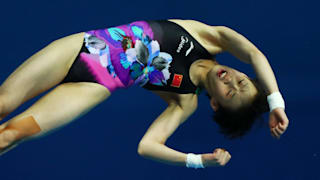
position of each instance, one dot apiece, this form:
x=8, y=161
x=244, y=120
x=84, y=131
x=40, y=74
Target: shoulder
x=207, y=35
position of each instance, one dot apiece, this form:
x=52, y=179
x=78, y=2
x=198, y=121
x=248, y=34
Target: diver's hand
x=219, y=157
x=278, y=122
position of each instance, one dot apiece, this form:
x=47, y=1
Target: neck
x=200, y=71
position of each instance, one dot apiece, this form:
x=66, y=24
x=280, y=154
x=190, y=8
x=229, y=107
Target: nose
x=231, y=82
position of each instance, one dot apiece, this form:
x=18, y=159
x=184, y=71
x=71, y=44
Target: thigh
x=64, y=104
x=41, y=71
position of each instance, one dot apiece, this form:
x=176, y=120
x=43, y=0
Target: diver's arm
x=236, y=44
x=152, y=145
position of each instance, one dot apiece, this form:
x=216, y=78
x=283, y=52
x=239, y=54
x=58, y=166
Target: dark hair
x=236, y=123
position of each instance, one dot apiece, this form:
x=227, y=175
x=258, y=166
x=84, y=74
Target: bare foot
x=8, y=139
x=15, y=131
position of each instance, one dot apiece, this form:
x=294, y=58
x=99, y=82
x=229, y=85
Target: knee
x=72, y=42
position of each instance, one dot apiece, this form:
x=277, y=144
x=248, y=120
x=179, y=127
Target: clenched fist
x=219, y=157
x=278, y=122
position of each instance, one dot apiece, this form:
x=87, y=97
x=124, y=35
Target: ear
x=214, y=104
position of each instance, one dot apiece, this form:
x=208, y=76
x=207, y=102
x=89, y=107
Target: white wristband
x=275, y=100
x=194, y=161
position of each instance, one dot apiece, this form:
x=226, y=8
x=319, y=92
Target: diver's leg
x=60, y=106
x=40, y=72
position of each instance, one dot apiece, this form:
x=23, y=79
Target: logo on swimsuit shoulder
x=177, y=79
x=183, y=41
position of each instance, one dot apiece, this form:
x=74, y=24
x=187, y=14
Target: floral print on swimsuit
x=128, y=52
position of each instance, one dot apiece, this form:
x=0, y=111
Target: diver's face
x=229, y=87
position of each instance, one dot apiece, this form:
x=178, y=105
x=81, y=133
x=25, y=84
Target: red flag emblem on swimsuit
x=177, y=79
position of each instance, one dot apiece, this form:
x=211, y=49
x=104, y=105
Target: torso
x=179, y=50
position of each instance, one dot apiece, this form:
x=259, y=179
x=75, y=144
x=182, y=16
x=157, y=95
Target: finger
x=272, y=133
x=223, y=155
x=229, y=156
x=225, y=158
x=284, y=126
x=276, y=135
x=277, y=129
x=281, y=127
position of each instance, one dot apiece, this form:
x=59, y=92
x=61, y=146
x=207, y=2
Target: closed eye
x=242, y=81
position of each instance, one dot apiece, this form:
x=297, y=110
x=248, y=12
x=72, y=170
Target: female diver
x=172, y=58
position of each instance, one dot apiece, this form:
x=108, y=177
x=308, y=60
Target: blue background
x=103, y=143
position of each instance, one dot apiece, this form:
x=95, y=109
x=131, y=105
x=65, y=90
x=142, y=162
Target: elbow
x=142, y=148
x=146, y=148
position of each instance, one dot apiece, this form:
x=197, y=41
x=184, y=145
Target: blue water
x=103, y=143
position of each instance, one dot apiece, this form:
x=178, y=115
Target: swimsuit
x=156, y=55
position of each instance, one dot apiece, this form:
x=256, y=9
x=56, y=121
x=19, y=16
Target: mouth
x=222, y=73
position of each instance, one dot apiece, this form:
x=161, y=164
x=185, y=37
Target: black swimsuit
x=157, y=55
